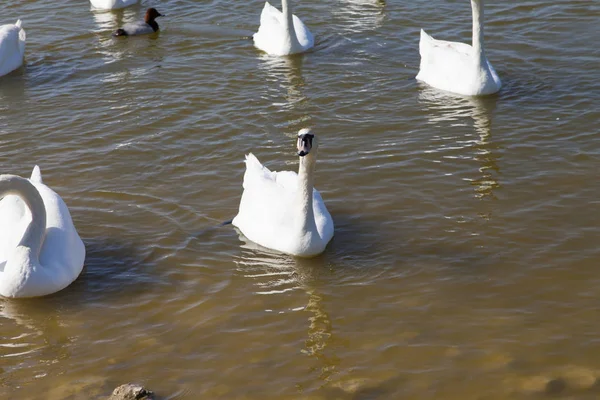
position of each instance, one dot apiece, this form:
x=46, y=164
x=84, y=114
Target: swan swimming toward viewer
x=40, y=250
x=457, y=67
x=112, y=4
x=282, y=210
x=281, y=33
x=12, y=47
x=149, y=25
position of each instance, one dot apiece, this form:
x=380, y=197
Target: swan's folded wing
x=9, y=42
x=305, y=37
x=323, y=219
x=13, y=223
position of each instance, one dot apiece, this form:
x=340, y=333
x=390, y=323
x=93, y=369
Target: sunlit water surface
x=465, y=258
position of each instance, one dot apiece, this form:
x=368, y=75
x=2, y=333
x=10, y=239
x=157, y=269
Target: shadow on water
x=357, y=239
x=113, y=269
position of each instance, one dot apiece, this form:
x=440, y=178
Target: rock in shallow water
x=131, y=391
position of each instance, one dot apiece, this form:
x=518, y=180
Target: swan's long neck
x=305, y=191
x=478, y=52
x=288, y=23
x=35, y=232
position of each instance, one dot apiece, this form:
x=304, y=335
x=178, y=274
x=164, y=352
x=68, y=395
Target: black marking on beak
x=305, y=143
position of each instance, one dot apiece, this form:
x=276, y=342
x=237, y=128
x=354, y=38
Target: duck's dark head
x=151, y=15
x=306, y=141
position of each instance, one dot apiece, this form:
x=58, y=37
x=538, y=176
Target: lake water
x=465, y=258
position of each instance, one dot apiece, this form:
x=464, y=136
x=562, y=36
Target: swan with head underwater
x=281, y=33
x=281, y=210
x=112, y=4
x=12, y=47
x=457, y=67
x=149, y=25
x=40, y=250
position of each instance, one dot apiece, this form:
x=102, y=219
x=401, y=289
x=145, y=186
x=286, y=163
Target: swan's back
x=445, y=65
x=12, y=47
x=451, y=66
x=265, y=193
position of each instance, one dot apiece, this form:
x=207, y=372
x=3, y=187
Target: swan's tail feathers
x=36, y=175
x=268, y=13
x=255, y=172
x=252, y=164
x=425, y=41
x=18, y=23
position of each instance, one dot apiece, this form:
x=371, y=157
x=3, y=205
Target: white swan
x=281, y=33
x=40, y=250
x=457, y=67
x=112, y=4
x=281, y=210
x=12, y=47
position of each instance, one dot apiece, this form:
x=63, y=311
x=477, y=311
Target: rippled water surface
x=465, y=258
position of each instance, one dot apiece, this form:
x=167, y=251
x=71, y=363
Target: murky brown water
x=465, y=259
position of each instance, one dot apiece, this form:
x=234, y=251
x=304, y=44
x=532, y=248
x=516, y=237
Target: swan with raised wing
x=40, y=250
x=12, y=47
x=281, y=33
x=281, y=210
x=457, y=67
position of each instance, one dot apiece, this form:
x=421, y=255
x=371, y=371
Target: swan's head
x=306, y=141
x=151, y=15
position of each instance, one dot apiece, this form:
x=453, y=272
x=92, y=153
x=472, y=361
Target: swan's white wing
x=12, y=47
x=14, y=219
x=63, y=253
x=305, y=37
x=264, y=205
x=323, y=219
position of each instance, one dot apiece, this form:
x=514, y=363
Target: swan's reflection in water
x=28, y=328
x=276, y=274
x=450, y=113
x=284, y=78
x=107, y=21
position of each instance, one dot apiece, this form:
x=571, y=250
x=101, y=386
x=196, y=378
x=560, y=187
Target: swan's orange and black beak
x=305, y=142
